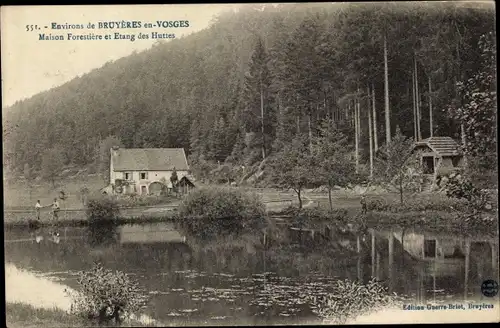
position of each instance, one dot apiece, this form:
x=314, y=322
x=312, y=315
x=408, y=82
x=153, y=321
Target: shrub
x=138, y=201
x=106, y=295
x=222, y=203
x=318, y=214
x=351, y=299
x=459, y=187
x=419, y=204
x=102, y=209
x=208, y=211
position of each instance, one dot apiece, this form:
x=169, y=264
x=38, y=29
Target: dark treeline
x=244, y=87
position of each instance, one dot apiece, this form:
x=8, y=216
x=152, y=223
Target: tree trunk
x=310, y=131
x=330, y=197
x=349, y=122
x=102, y=317
x=334, y=119
x=401, y=189
x=417, y=100
x=386, y=85
x=403, y=244
x=359, y=124
x=430, y=109
x=375, y=137
x=356, y=133
x=464, y=141
x=462, y=126
x=262, y=122
x=370, y=133
x=415, y=129
x=116, y=316
x=324, y=104
x=300, y=198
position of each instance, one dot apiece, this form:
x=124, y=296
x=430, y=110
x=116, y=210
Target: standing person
x=38, y=207
x=55, y=216
x=363, y=204
x=55, y=209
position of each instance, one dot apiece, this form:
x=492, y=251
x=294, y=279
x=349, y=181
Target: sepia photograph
x=329, y=163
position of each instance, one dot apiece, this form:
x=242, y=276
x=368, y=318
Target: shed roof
x=443, y=146
x=149, y=159
x=185, y=180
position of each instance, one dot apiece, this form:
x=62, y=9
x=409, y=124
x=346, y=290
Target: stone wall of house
x=446, y=166
x=151, y=176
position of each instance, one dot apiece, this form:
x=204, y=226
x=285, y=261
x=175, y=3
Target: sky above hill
x=31, y=65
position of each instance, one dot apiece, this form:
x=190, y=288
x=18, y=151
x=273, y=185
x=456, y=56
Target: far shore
x=438, y=221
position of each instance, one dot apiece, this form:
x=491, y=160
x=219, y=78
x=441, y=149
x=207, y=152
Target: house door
x=430, y=248
x=428, y=162
x=144, y=190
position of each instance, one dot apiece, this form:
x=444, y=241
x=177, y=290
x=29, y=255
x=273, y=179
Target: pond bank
x=440, y=221
x=22, y=315
x=83, y=221
x=35, y=301
x=22, y=286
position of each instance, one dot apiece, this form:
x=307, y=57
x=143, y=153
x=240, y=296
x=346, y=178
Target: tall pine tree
x=256, y=95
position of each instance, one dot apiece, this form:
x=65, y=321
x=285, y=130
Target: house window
x=430, y=248
x=143, y=175
x=455, y=161
x=127, y=175
x=428, y=164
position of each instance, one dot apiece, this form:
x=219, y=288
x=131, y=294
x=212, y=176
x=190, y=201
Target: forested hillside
x=244, y=87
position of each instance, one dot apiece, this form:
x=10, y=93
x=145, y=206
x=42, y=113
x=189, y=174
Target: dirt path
x=309, y=203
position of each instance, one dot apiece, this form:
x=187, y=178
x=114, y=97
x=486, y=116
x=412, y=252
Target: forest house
x=145, y=171
x=439, y=156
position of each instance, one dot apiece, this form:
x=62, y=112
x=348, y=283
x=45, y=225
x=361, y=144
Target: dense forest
x=240, y=90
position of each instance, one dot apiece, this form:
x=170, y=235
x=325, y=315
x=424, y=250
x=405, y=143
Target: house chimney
x=114, y=150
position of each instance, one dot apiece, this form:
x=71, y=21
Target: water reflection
x=444, y=264
x=244, y=280
x=102, y=234
x=150, y=234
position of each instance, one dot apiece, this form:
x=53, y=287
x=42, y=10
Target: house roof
x=443, y=146
x=186, y=180
x=149, y=159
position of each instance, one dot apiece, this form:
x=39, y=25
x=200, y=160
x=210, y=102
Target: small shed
x=185, y=185
x=439, y=156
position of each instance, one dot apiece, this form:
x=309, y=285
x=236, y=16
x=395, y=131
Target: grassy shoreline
x=82, y=222
x=22, y=315
x=439, y=221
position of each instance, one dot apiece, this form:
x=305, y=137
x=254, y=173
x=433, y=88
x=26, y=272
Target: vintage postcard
x=250, y=164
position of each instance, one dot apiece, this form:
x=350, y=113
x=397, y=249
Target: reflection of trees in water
x=155, y=257
x=228, y=253
x=48, y=256
x=100, y=234
x=247, y=254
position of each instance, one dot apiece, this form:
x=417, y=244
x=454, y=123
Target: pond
x=237, y=281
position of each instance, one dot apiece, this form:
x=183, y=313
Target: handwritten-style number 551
x=31, y=27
